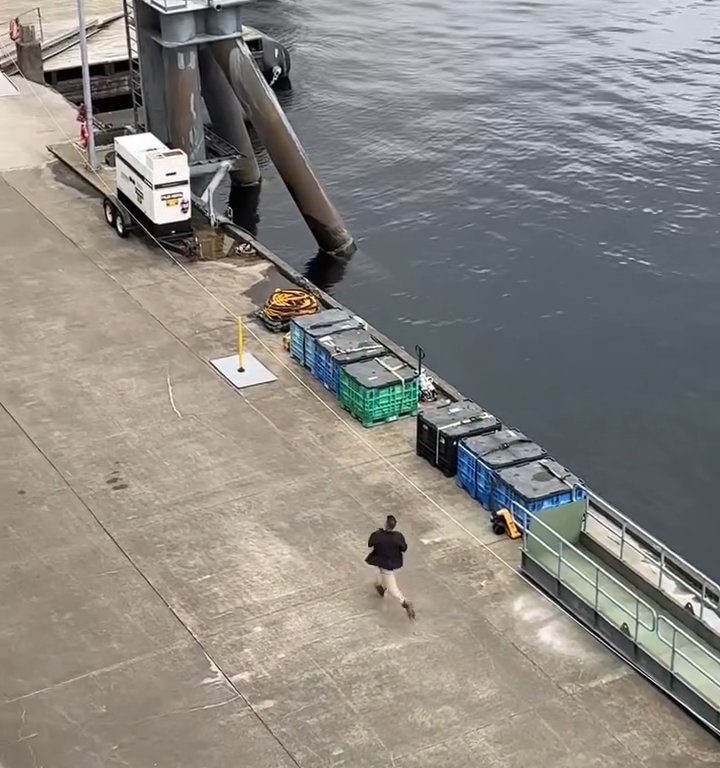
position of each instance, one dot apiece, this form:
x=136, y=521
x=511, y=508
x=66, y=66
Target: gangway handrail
x=658, y=620
x=613, y=512
x=635, y=616
x=614, y=527
x=564, y=544
x=676, y=651
x=664, y=554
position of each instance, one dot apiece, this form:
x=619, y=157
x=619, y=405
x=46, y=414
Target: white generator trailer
x=152, y=185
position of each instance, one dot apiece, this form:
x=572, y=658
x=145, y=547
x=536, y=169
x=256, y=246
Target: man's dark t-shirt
x=387, y=549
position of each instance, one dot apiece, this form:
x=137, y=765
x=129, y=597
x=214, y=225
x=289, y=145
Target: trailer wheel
x=110, y=212
x=121, y=225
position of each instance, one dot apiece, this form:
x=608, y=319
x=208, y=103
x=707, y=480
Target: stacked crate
x=307, y=329
x=480, y=458
x=379, y=390
x=536, y=486
x=442, y=425
x=336, y=350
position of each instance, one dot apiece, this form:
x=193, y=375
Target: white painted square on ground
x=254, y=372
x=7, y=88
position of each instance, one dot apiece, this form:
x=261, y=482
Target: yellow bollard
x=241, y=344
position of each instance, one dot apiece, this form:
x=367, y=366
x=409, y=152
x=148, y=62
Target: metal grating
x=218, y=148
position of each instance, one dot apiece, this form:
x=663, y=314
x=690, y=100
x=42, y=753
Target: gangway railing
x=633, y=613
x=680, y=645
x=676, y=652
x=672, y=569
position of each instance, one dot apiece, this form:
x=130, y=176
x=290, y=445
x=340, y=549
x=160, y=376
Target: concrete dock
x=181, y=564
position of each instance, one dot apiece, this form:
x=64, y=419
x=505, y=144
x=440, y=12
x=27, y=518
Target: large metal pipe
x=244, y=204
x=283, y=146
x=228, y=117
x=182, y=84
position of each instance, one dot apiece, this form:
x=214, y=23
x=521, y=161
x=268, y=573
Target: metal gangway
x=656, y=611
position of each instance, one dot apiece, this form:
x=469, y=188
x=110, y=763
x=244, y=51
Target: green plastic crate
x=378, y=390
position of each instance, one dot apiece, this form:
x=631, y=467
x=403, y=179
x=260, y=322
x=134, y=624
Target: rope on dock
x=284, y=304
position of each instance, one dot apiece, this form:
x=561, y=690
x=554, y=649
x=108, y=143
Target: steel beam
x=182, y=86
x=283, y=146
x=228, y=117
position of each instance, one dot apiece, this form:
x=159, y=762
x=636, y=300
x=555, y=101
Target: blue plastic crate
x=335, y=350
x=297, y=350
x=305, y=330
x=312, y=336
x=323, y=370
x=533, y=487
x=297, y=342
x=466, y=470
x=483, y=455
x=499, y=450
x=309, y=352
x=298, y=326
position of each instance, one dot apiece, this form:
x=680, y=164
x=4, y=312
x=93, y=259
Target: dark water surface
x=534, y=185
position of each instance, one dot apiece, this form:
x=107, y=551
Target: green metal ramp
x=639, y=628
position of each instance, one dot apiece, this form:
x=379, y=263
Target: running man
x=388, y=546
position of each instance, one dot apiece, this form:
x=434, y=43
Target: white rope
x=395, y=373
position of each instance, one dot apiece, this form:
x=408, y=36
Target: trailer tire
x=110, y=212
x=121, y=227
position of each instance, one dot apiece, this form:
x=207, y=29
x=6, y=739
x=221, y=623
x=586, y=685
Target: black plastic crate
x=441, y=425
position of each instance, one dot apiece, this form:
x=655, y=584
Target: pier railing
x=168, y=5
x=181, y=5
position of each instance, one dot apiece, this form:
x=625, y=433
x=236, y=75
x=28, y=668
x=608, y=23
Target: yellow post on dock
x=241, y=344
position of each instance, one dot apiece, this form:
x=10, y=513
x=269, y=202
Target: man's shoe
x=380, y=590
x=409, y=610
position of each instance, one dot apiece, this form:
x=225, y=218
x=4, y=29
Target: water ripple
x=504, y=160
